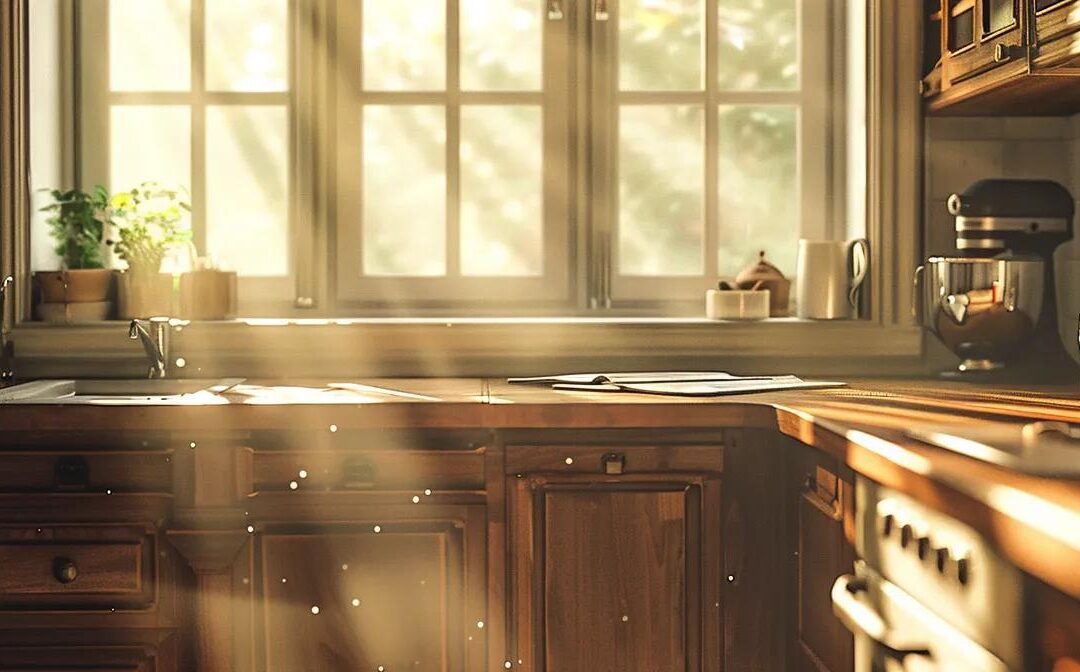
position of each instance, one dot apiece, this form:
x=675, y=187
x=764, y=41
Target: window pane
x=150, y=45
x=759, y=44
x=502, y=200
x=501, y=45
x=247, y=188
x=150, y=143
x=405, y=45
x=759, y=191
x=404, y=218
x=247, y=45
x=661, y=178
x=660, y=44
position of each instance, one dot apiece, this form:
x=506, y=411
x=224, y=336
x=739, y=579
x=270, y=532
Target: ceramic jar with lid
x=763, y=275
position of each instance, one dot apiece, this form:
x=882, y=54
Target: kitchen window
x=366, y=157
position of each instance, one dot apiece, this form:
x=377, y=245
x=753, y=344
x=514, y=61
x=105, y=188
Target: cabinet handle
x=861, y=619
x=71, y=472
x=600, y=10
x=916, y=295
x=1007, y=52
x=555, y=11
x=829, y=507
x=613, y=463
x=359, y=475
x=64, y=570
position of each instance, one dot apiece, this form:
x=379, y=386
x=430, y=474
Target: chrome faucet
x=7, y=348
x=155, y=342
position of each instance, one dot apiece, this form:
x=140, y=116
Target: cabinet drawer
x=368, y=470
x=614, y=459
x=90, y=567
x=89, y=471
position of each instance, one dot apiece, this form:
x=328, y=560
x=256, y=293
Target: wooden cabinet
x=822, y=498
x=370, y=552
x=1000, y=57
x=615, y=558
x=88, y=582
x=391, y=594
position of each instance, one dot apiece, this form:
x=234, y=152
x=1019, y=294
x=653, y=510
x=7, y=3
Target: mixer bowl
x=983, y=310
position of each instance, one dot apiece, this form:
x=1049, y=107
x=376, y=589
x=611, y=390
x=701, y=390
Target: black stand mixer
x=995, y=303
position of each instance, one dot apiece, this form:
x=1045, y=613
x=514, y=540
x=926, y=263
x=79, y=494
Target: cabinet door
x=389, y=595
x=615, y=574
x=823, y=502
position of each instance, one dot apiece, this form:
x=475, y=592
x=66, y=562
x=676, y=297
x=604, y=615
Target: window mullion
x=453, y=139
x=712, y=141
x=603, y=203
x=198, y=184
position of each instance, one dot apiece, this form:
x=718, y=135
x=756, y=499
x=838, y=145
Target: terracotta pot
x=89, y=285
x=144, y=295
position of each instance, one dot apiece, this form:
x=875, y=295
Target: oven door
x=894, y=633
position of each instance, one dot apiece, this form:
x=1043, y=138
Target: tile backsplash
x=960, y=150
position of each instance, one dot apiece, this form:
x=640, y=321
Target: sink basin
x=119, y=391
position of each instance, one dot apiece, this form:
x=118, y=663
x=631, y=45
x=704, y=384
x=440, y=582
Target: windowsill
x=469, y=346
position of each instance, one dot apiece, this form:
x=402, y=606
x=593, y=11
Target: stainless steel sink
x=108, y=391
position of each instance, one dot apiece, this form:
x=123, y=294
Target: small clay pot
x=763, y=275
x=90, y=285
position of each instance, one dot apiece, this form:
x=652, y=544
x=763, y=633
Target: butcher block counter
x=192, y=525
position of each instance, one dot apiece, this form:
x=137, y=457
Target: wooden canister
x=208, y=295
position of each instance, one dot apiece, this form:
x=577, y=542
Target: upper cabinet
x=985, y=57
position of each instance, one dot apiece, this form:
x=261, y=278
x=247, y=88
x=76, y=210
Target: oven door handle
x=861, y=619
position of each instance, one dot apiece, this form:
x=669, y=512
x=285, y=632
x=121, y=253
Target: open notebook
x=677, y=383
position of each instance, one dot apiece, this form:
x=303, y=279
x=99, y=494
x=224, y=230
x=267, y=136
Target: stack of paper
x=678, y=383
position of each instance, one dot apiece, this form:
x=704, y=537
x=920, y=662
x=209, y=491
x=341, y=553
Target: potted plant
x=149, y=224
x=77, y=225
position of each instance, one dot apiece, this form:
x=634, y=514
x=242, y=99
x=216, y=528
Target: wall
x=959, y=151
x=47, y=121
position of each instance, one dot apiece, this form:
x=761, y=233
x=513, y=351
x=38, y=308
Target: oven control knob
x=942, y=559
x=907, y=533
x=888, y=523
x=963, y=570
x=923, y=547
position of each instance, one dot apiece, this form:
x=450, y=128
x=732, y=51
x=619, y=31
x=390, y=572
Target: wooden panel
x=52, y=471
x=615, y=586
x=757, y=554
x=98, y=569
x=80, y=659
x=823, y=502
x=108, y=567
x=615, y=575
x=578, y=459
x=1057, y=630
x=392, y=595
x=373, y=470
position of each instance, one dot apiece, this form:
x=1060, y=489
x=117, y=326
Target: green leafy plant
x=149, y=222
x=78, y=224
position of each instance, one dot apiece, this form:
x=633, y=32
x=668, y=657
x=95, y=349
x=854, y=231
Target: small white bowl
x=737, y=304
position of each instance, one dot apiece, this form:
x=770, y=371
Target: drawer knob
x=613, y=463
x=64, y=570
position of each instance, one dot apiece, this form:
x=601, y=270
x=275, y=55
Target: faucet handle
x=133, y=330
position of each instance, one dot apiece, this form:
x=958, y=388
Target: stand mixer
x=994, y=304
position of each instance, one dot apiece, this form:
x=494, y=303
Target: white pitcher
x=829, y=275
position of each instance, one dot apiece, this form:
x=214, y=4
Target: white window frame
x=816, y=137
x=257, y=295
x=498, y=347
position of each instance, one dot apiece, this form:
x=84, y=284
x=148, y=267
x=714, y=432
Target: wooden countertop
x=1034, y=521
